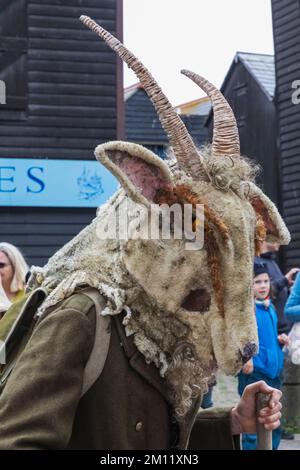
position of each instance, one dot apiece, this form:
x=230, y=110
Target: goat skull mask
x=210, y=289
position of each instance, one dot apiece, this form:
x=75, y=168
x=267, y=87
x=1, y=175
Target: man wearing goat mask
x=175, y=315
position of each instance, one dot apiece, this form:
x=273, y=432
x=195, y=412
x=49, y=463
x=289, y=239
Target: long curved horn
x=188, y=157
x=226, y=139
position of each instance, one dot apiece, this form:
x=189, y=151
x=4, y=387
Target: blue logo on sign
x=90, y=185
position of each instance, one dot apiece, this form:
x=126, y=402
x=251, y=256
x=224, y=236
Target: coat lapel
x=137, y=361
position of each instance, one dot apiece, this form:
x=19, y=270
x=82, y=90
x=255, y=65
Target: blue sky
x=201, y=35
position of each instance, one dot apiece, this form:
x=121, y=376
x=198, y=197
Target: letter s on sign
x=35, y=179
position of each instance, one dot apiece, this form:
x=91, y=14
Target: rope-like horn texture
x=188, y=157
x=226, y=139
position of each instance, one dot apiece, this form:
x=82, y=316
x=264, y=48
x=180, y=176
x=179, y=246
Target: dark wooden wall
x=256, y=118
x=40, y=231
x=195, y=124
x=286, y=23
x=142, y=124
x=64, y=97
x=70, y=77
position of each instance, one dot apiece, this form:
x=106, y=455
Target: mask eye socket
x=197, y=300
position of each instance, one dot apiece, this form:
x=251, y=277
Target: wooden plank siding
x=195, y=125
x=143, y=125
x=286, y=25
x=52, y=99
x=39, y=232
x=142, y=122
x=13, y=53
x=71, y=83
x=73, y=102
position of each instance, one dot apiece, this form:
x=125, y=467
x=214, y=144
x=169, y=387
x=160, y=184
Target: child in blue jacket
x=268, y=363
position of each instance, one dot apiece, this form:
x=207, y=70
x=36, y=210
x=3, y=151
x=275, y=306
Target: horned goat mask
x=174, y=296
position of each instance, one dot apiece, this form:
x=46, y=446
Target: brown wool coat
x=126, y=408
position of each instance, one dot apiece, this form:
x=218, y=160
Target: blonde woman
x=13, y=269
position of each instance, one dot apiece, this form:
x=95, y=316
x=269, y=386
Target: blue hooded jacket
x=269, y=360
x=292, y=308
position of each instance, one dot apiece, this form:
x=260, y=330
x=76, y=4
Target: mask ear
x=277, y=231
x=140, y=171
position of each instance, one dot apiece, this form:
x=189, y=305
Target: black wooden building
x=249, y=86
x=142, y=124
x=286, y=26
x=64, y=95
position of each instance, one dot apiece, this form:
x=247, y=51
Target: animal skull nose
x=249, y=351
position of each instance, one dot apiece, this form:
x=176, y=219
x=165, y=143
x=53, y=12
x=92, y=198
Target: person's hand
x=283, y=339
x=248, y=367
x=290, y=275
x=243, y=416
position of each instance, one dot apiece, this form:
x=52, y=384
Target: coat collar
x=137, y=361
